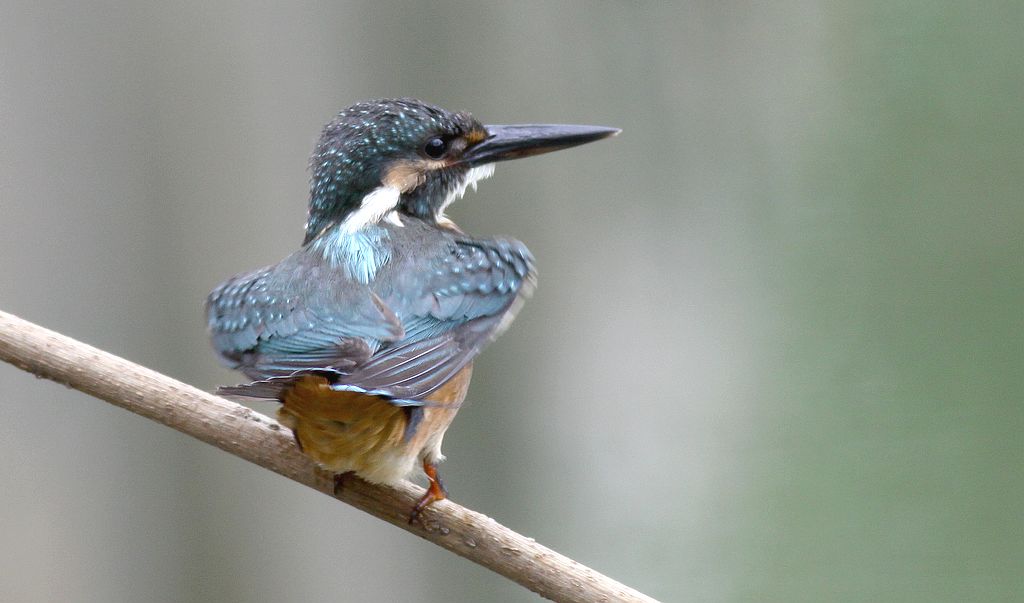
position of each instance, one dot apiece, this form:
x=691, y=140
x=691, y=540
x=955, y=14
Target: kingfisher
x=366, y=335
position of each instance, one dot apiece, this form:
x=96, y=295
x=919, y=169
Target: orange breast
x=347, y=431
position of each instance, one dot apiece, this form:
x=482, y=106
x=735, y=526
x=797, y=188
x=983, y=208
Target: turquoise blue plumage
x=367, y=333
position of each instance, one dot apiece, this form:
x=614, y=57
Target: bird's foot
x=435, y=491
x=336, y=481
x=340, y=479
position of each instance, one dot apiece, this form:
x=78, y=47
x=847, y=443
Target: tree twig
x=260, y=440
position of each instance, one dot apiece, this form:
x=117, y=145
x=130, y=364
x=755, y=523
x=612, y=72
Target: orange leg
x=435, y=491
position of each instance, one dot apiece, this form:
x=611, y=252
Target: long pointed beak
x=513, y=142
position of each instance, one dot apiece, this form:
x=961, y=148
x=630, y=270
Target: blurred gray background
x=775, y=354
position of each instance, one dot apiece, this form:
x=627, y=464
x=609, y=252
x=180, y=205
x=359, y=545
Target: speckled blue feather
x=394, y=308
x=356, y=146
x=428, y=309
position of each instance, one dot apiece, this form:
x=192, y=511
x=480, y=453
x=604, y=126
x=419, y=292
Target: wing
x=450, y=309
x=450, y=313
x=296, y=315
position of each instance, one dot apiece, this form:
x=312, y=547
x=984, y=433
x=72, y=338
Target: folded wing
x=403, y=344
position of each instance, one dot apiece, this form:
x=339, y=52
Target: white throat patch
x=382, y=202
x=375, y=205
x=473, y=176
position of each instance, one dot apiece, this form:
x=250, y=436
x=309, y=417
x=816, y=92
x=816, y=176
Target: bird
x=366, y=335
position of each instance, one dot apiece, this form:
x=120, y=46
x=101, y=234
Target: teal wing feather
x=292, y=316
x=401, y=337
x=450, y=314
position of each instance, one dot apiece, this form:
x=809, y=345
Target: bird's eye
x=435, y=147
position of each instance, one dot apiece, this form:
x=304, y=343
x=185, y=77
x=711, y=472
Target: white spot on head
x=473, y=176
x=375, y=205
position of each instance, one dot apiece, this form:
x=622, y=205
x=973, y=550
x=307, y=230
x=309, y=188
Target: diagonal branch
x=260, y=440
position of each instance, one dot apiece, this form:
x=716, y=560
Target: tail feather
x=275, y=388
x=344, y=406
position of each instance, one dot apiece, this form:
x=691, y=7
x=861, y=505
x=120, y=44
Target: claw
x=435, y=491
x=339, y=481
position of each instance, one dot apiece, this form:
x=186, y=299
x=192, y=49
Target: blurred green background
x=776, y=353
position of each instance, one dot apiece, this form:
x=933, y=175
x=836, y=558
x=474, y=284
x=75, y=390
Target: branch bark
x=261, y=440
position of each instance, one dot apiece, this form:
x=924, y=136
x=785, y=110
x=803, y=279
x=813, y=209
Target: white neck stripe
x=374, y=206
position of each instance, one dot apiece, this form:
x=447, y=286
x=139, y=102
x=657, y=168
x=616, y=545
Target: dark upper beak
x=513, y=142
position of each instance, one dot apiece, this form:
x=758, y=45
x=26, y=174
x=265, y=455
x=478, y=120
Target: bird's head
x=384, y=158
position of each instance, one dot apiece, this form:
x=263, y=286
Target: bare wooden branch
x=260, y=440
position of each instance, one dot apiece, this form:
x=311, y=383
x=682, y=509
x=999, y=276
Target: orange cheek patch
x=407, y=175
x=475, y=136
